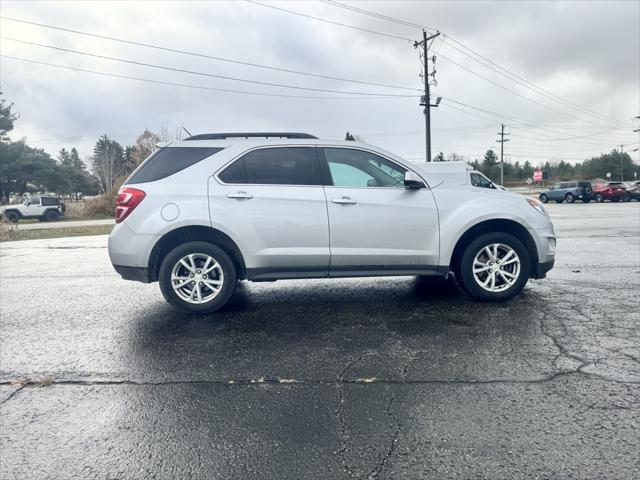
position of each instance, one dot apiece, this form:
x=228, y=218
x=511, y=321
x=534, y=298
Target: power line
x=193, y=72
x=377, y=15
x=198, y=87
x=500, y=116
x=397, y=37
x=512, y=91
x=210, y=57
x=531, y=85
x=516, y=78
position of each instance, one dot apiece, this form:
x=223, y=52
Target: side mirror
x=413, y=181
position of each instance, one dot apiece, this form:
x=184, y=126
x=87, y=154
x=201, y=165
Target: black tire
x=52, y=216
x=13, y=217
x=543, y=198
x=464, y=269
x=626, y=198
x=599, y=198
x=570, y=198
x=226, y=264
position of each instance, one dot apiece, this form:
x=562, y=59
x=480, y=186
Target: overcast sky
x=585, y=52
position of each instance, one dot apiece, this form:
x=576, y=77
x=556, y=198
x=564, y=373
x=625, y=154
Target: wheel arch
x=495, y=225
x=190, y=234
x=51, y=209
x=12, y=210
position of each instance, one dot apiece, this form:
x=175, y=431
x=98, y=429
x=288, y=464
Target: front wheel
x=494, y=267
x=570, y=198
x=599, y=198
x=13, y=217
x=544, y=198
x=198, y=277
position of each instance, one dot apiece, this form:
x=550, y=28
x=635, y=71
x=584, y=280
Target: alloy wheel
x=197, y=278
x=496, y=267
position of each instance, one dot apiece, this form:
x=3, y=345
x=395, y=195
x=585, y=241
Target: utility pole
x=426, y=101
x=621, y=164
x=501, y=142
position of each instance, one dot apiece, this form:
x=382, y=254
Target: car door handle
x=344, y=201
x=240, y=195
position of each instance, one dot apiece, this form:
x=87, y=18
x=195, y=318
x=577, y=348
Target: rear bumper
x=137, y=274
x=542, y=269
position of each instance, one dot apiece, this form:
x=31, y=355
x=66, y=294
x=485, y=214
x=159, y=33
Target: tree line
x=28, y=169
x=24, y=168
x=618, y=164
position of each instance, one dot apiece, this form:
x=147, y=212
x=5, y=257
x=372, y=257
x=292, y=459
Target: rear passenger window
x=167, y=161
x=273, y=166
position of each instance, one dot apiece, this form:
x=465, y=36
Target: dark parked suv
x=569, y=192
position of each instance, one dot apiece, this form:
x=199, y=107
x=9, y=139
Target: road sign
x=529, y=181
x=608, y=175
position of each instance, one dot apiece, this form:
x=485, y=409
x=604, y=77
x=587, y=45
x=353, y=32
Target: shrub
x=103, y=205
x=8, y=231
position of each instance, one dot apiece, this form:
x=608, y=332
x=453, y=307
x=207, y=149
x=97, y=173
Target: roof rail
x=223, y=136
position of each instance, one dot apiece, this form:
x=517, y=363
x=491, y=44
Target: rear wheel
x=570, y=198
x=52, y=216
x=599, y=198
x=198, y=277
x=494, y=267
x=544, y=198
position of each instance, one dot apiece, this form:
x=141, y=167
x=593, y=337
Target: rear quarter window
x=169, y=160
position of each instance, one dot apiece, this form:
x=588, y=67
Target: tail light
x=126, y=201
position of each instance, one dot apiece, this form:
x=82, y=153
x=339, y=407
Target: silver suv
x=200, y=214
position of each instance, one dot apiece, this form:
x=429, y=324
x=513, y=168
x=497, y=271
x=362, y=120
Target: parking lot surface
x=330, y=379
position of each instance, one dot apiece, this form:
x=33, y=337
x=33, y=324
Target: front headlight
x=538, y=205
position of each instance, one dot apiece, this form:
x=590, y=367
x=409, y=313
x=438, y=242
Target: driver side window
x=481, y=181
x=357, y=168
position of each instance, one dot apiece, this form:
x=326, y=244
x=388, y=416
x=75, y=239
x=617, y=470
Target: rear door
x=271, y=201
x=375, y=223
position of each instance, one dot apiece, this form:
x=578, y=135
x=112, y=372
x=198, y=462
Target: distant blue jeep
x=569, y=192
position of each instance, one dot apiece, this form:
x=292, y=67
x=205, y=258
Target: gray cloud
x=587, y=52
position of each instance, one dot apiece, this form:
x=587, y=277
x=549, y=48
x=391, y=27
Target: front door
x=33, y=208
x=375, y=223
x=271, y=202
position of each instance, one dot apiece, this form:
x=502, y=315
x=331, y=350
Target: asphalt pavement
x=387, y=378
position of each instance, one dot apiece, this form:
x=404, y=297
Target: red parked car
x=614, y=191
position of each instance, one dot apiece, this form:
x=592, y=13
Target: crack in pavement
x=377, y=470
x=338, y=413
x=12, y=394
x=298, y=382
